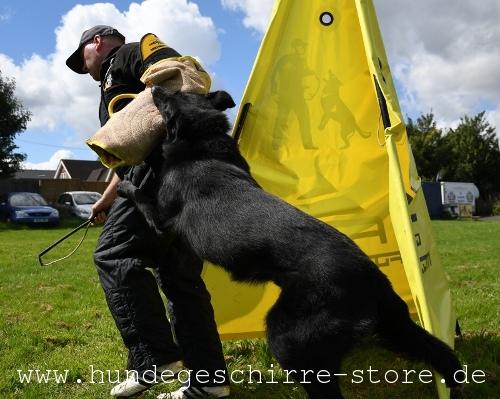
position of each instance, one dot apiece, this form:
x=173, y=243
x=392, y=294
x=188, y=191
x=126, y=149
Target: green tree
x=13, y=120
x=475, y=154
x=428, y=146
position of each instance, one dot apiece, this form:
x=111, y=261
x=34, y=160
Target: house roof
x=83, y=170
x=101, y=174
x=34, y=174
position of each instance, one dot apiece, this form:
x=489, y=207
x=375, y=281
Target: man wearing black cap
x=127, y=247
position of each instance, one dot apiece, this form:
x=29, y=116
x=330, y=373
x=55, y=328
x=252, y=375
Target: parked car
x=77, y=203
x=27, y=208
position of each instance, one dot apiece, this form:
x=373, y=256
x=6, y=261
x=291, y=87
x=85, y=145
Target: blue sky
x=444, y=57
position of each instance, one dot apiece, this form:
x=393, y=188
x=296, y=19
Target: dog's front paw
x=126, y=189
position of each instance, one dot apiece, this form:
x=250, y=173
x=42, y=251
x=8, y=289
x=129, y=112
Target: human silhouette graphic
x=292, y=83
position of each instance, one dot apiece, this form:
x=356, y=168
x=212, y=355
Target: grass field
x=55, y=318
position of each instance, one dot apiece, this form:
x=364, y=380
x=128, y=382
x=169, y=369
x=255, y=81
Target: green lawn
x=55, y=318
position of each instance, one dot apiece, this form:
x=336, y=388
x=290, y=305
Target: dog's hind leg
x=309, y=341
x=308, y=362
x=322, y=388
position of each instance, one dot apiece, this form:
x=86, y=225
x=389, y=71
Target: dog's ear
x=167, y=104
x=161, y=97
x=220, y=100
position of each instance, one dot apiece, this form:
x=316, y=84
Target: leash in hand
x=87, y=224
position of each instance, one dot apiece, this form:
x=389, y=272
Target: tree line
x=468, y=153
x=13, y=120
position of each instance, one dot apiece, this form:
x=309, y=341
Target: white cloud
x=57, y=96
x=444, y=55
x=257, y=12
x=5, y=14
x=53, y=163
x=493, y=118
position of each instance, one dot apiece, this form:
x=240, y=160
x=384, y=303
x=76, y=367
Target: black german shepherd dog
x=332, y=294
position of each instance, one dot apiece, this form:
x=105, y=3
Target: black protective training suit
x=127, y=248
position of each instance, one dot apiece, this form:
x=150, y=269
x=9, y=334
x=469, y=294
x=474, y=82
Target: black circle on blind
x=326, y=18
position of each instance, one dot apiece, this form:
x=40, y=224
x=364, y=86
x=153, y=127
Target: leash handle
x=86, y=223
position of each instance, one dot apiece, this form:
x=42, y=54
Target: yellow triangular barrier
x=321, y=127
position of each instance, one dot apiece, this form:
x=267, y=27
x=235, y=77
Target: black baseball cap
x=75, y=62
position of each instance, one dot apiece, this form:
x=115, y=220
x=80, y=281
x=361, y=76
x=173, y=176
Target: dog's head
x=185, y=114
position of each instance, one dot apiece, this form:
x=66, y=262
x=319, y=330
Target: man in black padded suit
x=127, y=247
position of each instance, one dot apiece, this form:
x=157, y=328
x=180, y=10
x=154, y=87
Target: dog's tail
x=400, y=334
x=364, y=134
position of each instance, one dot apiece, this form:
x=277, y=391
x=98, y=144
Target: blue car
x=27, y=208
